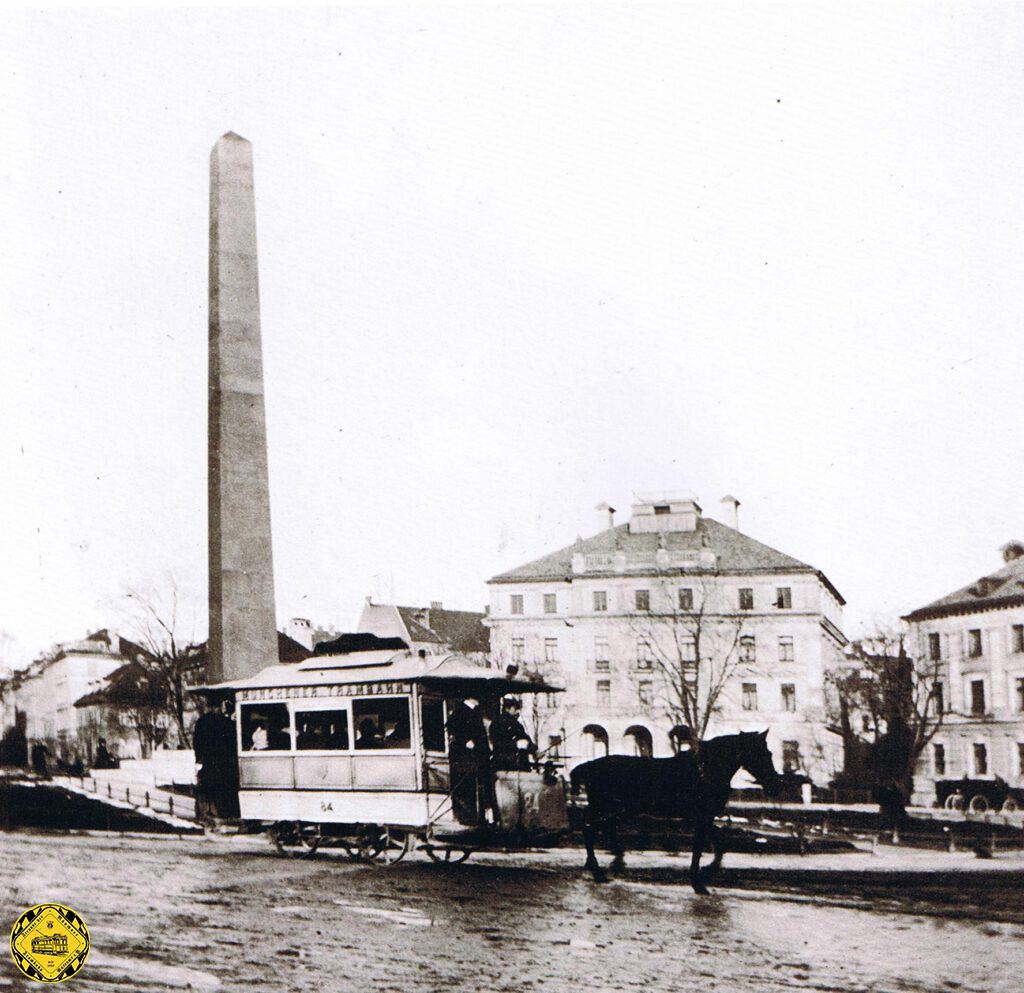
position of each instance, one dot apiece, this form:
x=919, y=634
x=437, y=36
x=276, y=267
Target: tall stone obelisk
x=243, y=630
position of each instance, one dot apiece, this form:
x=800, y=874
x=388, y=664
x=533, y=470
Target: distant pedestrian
x=40, y=754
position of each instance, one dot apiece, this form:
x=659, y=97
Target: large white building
x=976, y=635
x=615, y=617
x=47, y=690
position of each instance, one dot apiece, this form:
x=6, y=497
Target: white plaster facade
x=578, y=616
x=977, y=635
x=47, y=690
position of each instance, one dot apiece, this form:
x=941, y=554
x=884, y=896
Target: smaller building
x=434, y=629
x=976, y=636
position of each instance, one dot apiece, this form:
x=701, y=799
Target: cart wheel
x=294, y=839
x=447, y=856
x=978, y=804
x=954, y=801
x=1010, y=806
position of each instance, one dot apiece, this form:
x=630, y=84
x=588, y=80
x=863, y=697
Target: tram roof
x=451, y=673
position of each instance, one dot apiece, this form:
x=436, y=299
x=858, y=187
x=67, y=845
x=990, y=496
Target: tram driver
x=513, y=748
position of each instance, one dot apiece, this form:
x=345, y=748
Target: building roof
x=734, y=552
x=359, y=641
x=460, y=630
x=1003, y=588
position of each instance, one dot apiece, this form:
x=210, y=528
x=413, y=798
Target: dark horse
x=695, y=790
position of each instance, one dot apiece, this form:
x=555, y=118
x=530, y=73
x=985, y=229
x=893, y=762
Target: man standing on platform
x=214, y=743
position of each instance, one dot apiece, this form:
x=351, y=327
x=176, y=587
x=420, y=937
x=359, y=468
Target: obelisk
x=243, y=632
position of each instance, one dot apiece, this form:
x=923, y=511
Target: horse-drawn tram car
x=375, y=751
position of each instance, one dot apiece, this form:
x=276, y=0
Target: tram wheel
x=382, y=845
x=447, y=856
x=294, y=839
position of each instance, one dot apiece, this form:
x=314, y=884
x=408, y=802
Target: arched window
x=595, y=741
x=641, y=740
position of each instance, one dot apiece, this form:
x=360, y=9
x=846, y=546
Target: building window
x=939, y=696
x=977, y=697
x=974, y=643
x=935, y=646
x=517, y=603
x=785, y=648
x=518, y=649
x=1017, y=637
x=600, y=600
x=791, y=760
x=980, y=759
x=748, y=648
x=750, y=696
x=783, y=597
x=645, y=692
x=688, y=649
x=1020, y=695
x=554, y=745
x=643, y=599
x=601, y=660
x=938, y=759
x=550, y=603
x=686, y=599
x=604, y=692
x=550, y=649
x=789, y=697
x=661, y=509
x=746, y=598
x=644, y=654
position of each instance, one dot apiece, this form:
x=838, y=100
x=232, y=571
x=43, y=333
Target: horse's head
x=757, y=760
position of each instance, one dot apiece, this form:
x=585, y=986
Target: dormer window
x=662, y=508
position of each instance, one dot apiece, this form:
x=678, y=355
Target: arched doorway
x=640, y=738
x=595, y=741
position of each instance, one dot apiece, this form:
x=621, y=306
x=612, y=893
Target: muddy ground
x=168, y=914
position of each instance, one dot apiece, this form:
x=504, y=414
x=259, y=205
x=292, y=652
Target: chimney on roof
x=731, y=511
x=1012, y=550
x=435, y=605
x=605, y=516
x=301, y=630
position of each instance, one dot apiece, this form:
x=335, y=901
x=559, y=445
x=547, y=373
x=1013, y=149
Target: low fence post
x=170, y=804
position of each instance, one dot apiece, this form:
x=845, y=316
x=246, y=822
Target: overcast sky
x=515, y=261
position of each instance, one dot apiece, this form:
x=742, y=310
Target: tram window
x=265, y=728
x=432, y=709
x=326, y=729
x=381, y=722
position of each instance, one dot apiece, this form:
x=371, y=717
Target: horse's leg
x=615, y=845
x=718, y=845
x=699, y=835
x=588, y=839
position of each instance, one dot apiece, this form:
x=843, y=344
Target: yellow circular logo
x=49, y=943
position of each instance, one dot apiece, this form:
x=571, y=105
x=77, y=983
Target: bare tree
x=693, y=645
x=887, y=706
x=162, y=620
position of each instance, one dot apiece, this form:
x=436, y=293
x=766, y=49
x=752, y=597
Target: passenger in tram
x=513, y=748
x=369, y=735
x=260, y=738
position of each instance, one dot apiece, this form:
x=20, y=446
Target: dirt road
x=168, y=914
